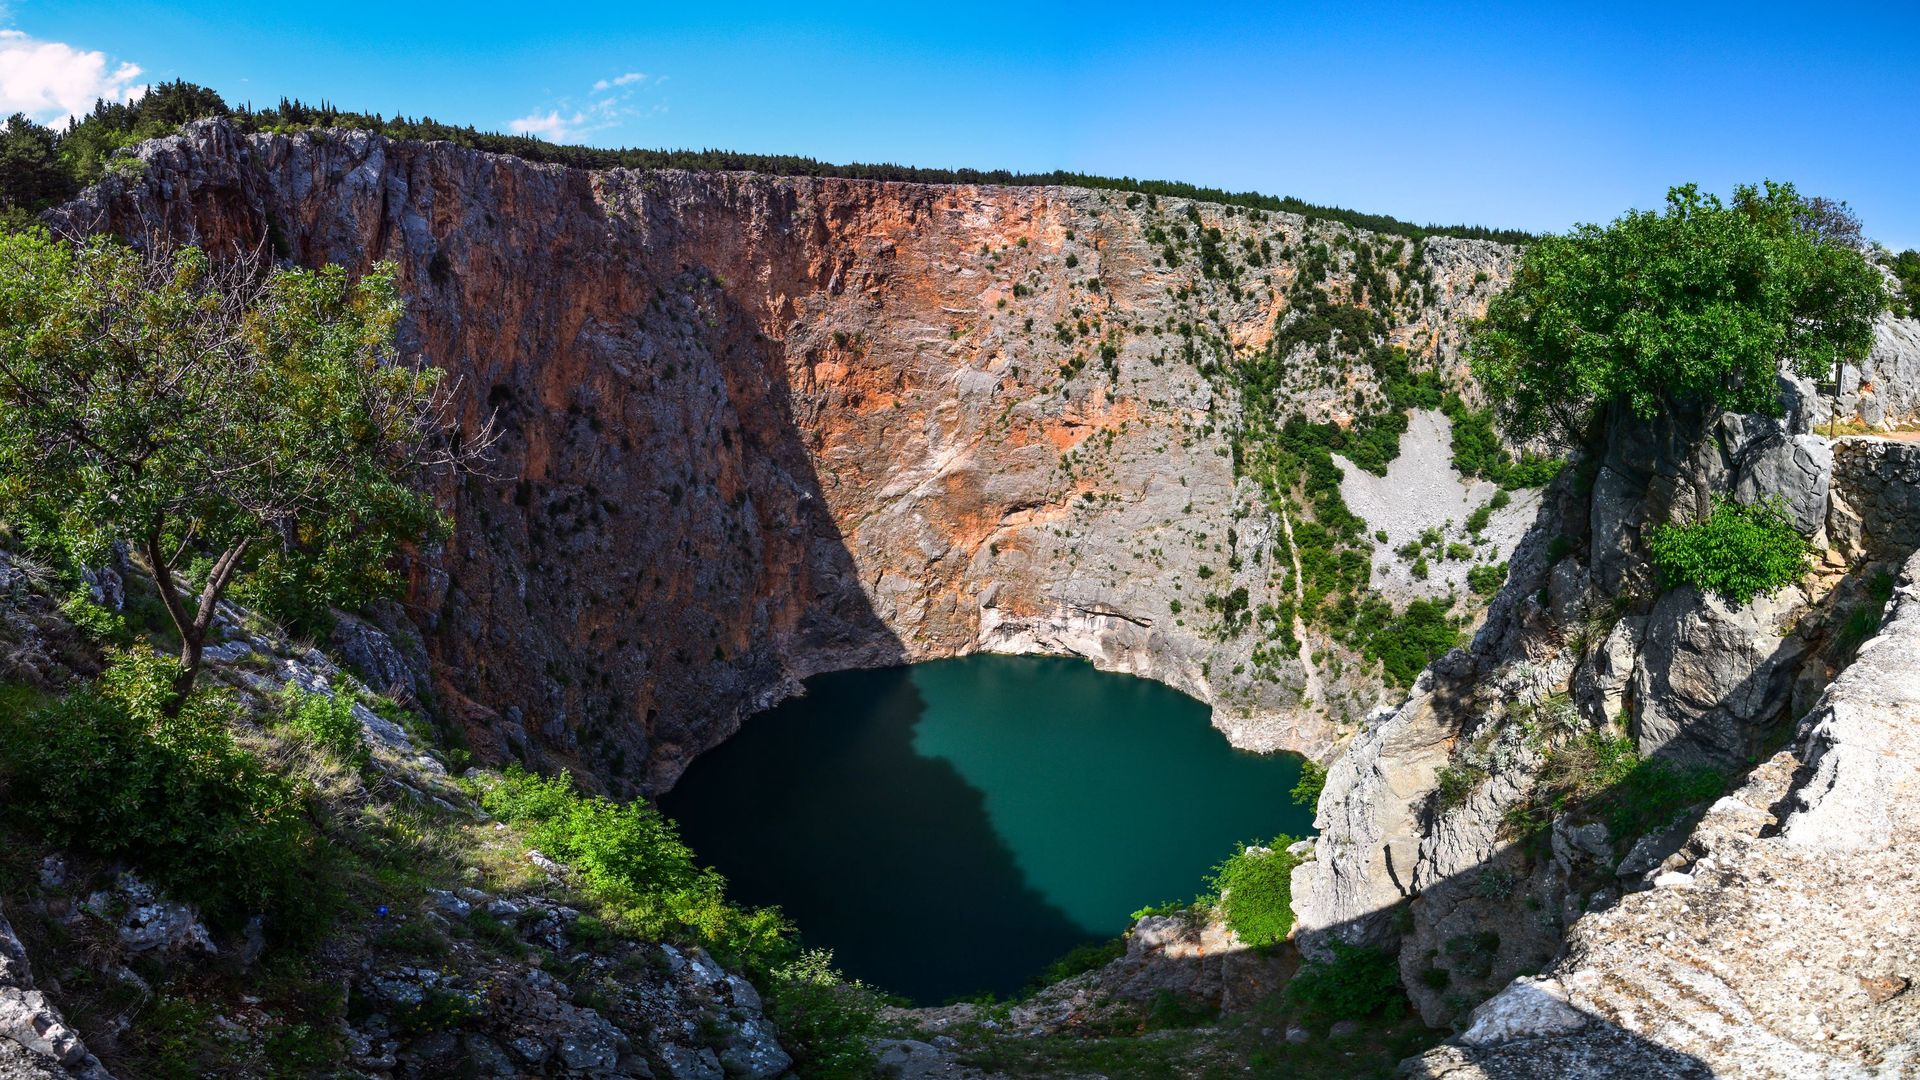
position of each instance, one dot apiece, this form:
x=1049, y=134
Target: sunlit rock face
x=757, y=427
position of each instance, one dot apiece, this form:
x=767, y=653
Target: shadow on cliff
x=653, y=556
x=874, y=850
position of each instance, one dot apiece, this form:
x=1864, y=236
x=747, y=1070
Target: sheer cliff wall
x=758, y=427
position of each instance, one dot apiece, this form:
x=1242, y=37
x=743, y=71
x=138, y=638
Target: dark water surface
x=952, y=827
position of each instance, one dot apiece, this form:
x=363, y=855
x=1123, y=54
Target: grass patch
x=631, y=860
x=1079, y=960
x=1600, y=776
x=328, y=721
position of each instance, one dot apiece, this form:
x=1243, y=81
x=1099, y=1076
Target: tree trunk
x=192, y=629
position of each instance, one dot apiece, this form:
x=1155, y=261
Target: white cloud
x=628, y=79
x=51, y=81
x=610, y=103
x=552, y=126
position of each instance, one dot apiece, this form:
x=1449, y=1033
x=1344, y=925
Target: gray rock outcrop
x=1713, y=675
x=35, y=1041
x=1781, y=940
x=1474, y=886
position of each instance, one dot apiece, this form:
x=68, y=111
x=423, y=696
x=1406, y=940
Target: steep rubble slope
x=758, y=427
x=485, y=958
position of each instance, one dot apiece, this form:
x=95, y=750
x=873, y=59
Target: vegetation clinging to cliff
x=80, y=154
x=1694, y=308
x=1255, y=887
x=106, y=770
x=1739, y=551
x=632, y=861
x=1906, y=268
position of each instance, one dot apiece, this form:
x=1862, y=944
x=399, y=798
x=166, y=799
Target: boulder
x=1714, y=676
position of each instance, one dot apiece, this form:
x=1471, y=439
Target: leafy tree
x=89, y=141
x=32, y=174
x=1906, y=267
x=1692, y=309
x=214, y=416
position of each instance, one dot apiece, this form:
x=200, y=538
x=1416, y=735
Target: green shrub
x=631, y=860
x=1256, y=891
x=104, y=770
x=1090, y=956
x=1652, y=791
x=1313, y=780
x=826, y=1022
x=1738, y=552
x=1486, y=580
x=1410, y=641
x=1473, y=954
x=1601, y=776
x=1863, y=619
x=1357, y=984
x=1167, y=1010
x=328, y=721
x=1454, y=783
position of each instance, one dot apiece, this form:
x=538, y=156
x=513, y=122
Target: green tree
x=1906, y=267
x=1694, y=309
x=215, y=416
x=32, y=174
x=90, y=141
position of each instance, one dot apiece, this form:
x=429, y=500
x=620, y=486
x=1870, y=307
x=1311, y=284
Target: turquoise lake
x=952, y=827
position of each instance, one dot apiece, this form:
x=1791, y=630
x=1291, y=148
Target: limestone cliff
x=759, y=427
x=1455, y=829
x=1780, y=939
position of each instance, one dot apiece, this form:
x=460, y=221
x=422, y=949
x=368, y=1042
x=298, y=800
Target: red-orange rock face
x=759, y=427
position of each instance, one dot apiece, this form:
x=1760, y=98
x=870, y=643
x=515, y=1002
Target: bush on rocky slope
x=1739, y=551
x=1255, y=886
x=632, y=859
x=1355, y=984
x=105, y=770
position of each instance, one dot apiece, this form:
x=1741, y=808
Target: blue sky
x=1511, y=115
